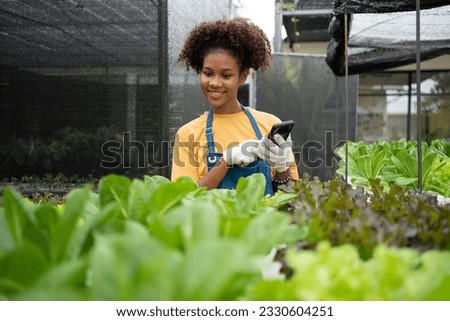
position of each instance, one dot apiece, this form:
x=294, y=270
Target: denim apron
x=234, y=173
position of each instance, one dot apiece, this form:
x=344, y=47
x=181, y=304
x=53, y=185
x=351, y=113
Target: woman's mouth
x=215, y=93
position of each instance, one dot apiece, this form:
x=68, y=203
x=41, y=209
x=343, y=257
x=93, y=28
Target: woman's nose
x=215, y=81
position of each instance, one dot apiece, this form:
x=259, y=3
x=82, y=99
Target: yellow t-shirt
x=191, y=147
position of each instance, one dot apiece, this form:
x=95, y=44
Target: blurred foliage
x=141, y=239
x=338, y=273
x=155, y=239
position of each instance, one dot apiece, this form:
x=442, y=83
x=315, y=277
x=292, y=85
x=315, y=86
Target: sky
x=262, y=13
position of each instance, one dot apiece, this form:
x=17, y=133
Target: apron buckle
x=212, y=159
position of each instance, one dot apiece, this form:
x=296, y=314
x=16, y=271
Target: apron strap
x=209, y=134
x=209, y=129
x=253, y=122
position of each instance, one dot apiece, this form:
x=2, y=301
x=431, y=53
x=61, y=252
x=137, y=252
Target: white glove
x=242, y=154
x=278, y=156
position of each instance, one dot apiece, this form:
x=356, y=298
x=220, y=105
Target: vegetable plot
x=145, y=239
x=152, y=239
x=395, y=163
x=383, y=246
x=338, y=273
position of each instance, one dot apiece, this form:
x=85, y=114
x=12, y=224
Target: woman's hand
x=278, y=156
x=242, y=154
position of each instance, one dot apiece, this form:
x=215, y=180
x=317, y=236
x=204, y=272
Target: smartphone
x=284, y=129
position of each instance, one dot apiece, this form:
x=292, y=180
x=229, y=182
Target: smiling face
x=220, y=78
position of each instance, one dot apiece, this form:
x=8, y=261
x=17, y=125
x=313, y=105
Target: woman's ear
x=243, y=76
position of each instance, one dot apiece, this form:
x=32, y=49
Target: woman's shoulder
x=264, y=120
x=263, y=116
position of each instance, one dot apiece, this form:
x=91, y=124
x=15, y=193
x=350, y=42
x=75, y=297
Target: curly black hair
x=239, y=36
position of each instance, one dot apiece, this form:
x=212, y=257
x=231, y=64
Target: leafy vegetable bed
x=395, y=163
x=153, y=239
x=364, y=246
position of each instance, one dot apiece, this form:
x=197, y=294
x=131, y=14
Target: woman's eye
x=226, y=76
x=207, y=73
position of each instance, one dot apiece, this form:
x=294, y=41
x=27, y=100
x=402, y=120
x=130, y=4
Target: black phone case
x=284, y=129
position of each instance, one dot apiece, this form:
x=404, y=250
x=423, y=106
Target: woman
x=228, y=141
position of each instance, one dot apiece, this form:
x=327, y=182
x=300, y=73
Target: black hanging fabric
x=382, y=34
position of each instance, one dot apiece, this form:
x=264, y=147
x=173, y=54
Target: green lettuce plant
x=149, y=239
x=395, y=163
x=338, y=273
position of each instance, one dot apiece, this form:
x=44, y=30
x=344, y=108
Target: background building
x=382, y=53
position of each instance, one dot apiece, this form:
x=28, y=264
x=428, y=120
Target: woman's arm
x=213, y=178
x=184, y=162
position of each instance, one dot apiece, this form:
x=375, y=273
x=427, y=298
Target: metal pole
x=346, y=93
x=232, y=11
x=278, y=41
x=419, y=112
x=163, y=80
x=408, y=117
